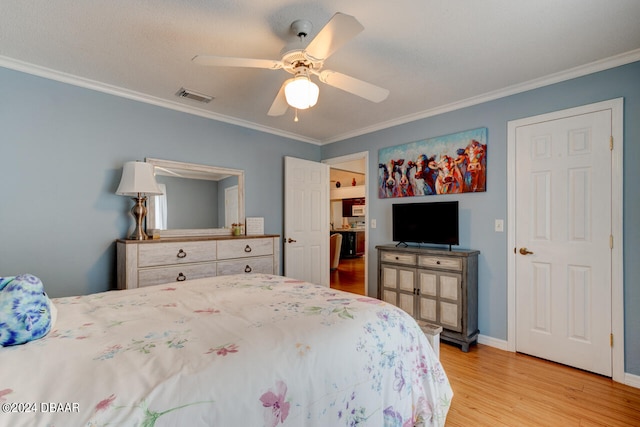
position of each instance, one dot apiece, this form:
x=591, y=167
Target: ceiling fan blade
x=355, y=86
x=279, y=106
x=340, y=29
x=228, y=61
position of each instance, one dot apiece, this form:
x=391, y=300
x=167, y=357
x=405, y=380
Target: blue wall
x=62, y=149
x=479, y=210
x=61, y=154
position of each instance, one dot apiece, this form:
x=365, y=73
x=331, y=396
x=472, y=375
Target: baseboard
x=632, y=380
x=492, y=342
x=629, y=379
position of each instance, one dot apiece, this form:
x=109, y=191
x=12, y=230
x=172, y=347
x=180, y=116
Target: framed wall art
x=449, y=164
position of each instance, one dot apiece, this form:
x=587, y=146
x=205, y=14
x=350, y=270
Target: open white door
x=231, y=206
x=306, y=220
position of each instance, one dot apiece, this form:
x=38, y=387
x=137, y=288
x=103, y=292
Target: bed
x=242, y=350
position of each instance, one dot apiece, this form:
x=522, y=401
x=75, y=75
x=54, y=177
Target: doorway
x=565, y=300
x=348, y=217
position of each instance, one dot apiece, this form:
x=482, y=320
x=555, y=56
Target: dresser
x=153, y=262
x=436, y=286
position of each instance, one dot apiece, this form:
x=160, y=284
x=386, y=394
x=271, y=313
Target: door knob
x=290, y=240
x=524, y=251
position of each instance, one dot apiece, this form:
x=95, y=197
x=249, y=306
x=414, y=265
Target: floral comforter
x=246, y=350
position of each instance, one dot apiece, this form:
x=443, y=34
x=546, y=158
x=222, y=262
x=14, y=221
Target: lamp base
x=139, y=211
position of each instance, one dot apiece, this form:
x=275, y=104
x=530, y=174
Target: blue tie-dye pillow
x=26, y=312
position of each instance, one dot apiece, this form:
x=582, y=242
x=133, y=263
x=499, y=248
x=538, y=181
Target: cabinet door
x=450, y=293
x=440, y=298
x=347, y=205
x=428, y=299
x=360, y=246
x=398, y=284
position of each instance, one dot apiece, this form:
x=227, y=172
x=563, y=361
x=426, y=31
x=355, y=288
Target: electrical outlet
x=499, y=227
x=373, y=223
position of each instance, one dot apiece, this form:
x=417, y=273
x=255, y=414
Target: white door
x=562, y=240
x=306, y=220
x=230, y=206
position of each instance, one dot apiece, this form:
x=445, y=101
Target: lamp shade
x=301, y=93
x=137, y=177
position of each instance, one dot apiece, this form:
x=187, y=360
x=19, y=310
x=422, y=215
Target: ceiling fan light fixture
x=301, y=92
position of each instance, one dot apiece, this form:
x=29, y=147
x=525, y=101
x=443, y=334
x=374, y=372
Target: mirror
x=199, y=200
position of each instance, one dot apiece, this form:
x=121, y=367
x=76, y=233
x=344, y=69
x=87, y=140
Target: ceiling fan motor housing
x=295, y=59
x=301, y=27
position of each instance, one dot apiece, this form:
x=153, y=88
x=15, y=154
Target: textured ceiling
x=433, y=55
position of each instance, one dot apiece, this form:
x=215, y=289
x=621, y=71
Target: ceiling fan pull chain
x=295, y=119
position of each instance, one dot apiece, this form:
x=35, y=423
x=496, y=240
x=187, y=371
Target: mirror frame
x=193, y=170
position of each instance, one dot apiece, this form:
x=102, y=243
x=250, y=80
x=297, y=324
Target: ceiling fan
x=299, y=91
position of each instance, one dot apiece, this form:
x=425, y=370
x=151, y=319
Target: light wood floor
x=496, y=388
x=499, y=388
x=349, y=276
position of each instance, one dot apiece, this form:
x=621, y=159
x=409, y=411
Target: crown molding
x=572, y=73
x=74, y=80
x=593, y=67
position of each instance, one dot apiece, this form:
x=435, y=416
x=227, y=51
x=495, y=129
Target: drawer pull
x=181, y=277
x=181, y=254
x=247, y=269
x=438, y=262
x=247, y=249
x=397, y=258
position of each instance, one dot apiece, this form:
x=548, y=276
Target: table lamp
x=138, y=181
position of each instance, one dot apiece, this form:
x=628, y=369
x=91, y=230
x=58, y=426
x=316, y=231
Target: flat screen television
x=430, y=223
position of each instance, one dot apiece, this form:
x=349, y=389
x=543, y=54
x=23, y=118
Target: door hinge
x=611, y=340
x=610, y=241
x=611, y=143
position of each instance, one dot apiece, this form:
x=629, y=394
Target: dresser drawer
x=263, y=265
x=446, y=263
x=175, y=274
x=240, y=248
x=167, y=253
x=398, y=258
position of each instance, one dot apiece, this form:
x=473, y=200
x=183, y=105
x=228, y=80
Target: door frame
x=347, y=158
x=617, y=285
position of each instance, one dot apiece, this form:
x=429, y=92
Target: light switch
x=373, y=223
x=499, y=227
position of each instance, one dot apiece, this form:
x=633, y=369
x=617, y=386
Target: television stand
x=436, y=286
x=406, y=245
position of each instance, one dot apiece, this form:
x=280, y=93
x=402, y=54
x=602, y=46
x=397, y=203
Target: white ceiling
x=433, y=55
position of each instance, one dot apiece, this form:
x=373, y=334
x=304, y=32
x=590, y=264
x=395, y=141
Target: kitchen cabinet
x=348, y=204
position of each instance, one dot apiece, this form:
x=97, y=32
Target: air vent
x=187, y=93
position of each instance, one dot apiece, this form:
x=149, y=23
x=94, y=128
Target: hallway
x=349, y=276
